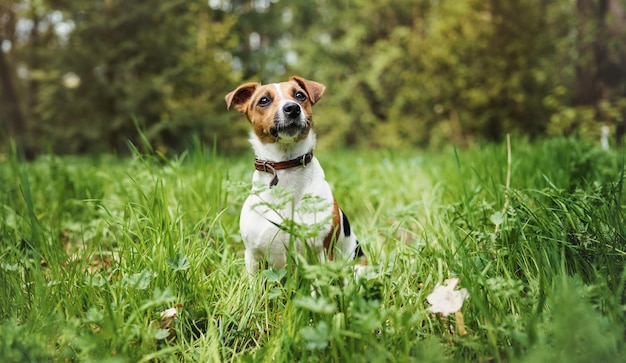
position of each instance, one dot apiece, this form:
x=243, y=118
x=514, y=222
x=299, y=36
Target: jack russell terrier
x=283, y=140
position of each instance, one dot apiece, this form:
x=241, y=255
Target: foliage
x=88, y=74
x=123, y=66
x=167, y=85
x=93, y=249
x=423, y=72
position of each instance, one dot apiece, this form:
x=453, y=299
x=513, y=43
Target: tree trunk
x=601, y=71
x=616, y=73
x=15, y=125
x=587, y=90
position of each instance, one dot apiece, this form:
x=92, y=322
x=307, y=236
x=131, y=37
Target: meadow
x=94, y=249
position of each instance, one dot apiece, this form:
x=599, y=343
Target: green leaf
x=94, y=315
x=178, y=263
x=139, y=280
x=274, y=275
x=164, y=295
x=161, y=334
x=274, y=292
x=317, y=305
x=316, y=337
x=497, y=218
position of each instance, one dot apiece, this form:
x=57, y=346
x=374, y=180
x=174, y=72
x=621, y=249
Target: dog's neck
x=282, y=151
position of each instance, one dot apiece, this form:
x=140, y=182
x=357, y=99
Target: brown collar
x=271, y=166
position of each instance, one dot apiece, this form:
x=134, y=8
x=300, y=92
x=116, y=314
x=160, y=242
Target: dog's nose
x=291, y=109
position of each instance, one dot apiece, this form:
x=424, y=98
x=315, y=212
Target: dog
x=283, y=139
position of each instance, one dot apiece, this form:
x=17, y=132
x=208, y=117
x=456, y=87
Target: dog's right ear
x=241, y=96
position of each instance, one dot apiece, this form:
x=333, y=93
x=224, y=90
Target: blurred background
x=88, y=76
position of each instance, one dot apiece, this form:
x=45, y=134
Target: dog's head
x=279, y=112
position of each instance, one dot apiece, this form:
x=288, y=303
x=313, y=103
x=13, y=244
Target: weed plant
x=93, y=249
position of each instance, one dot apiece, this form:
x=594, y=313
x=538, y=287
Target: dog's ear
x=313, y=89
x=241, y=96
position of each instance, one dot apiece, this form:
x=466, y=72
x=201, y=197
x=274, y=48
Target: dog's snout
x=291, y=109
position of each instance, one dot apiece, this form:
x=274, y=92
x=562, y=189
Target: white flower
x=446, y=300
x=168, y=317
x=167, y=327
x=169, y=314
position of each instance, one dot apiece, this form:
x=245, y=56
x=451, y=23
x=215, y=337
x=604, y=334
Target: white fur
x=282, y=151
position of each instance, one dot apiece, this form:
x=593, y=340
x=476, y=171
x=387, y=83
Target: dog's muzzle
x=289, y=121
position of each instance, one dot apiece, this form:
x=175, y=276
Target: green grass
x=93, y=249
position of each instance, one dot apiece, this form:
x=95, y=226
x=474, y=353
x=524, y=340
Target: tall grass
x=92, y=250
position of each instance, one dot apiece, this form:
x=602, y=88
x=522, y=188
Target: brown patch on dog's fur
x=335, y=232
x=313, y=89
x=241, y=96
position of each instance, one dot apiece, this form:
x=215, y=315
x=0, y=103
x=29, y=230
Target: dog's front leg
x=252, y=263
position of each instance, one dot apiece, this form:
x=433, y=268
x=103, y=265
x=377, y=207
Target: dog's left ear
x=313, y=89
x=241, y=96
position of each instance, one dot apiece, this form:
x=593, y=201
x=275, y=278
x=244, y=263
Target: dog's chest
x=301, y=198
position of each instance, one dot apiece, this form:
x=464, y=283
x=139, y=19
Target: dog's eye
x=264, y=101
x=300, y=96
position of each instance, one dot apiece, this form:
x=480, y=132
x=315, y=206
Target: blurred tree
x=81, y=75
x=162, y=64
x=260, y=28
x=422, y=72
x=11, y=112
x=91, y=72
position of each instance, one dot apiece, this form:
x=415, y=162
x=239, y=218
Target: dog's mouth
x=291, y=130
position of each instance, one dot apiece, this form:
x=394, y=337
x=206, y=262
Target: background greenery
x=93, y=249
x=84, y=75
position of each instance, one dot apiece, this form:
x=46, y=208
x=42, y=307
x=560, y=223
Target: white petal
x=169, y=313
x=452, y=282
x=445, y=300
